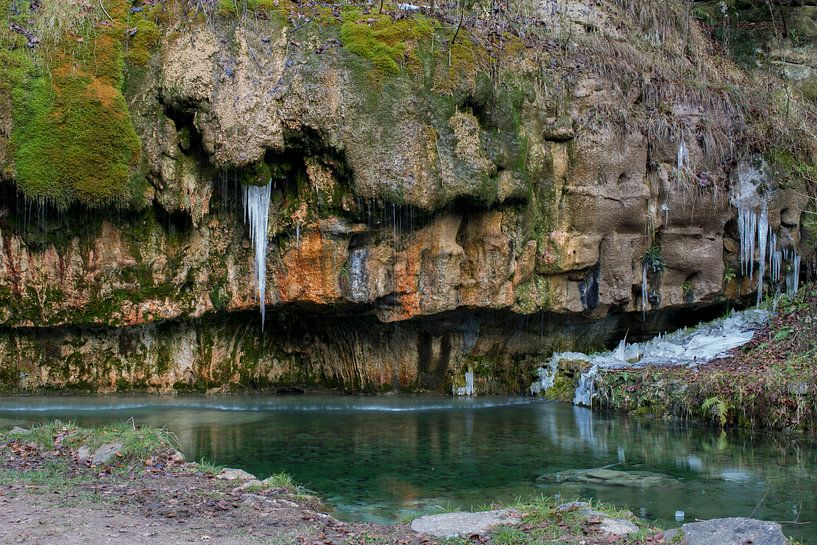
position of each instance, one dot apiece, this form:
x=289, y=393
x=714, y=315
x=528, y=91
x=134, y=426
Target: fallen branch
x=108, y=15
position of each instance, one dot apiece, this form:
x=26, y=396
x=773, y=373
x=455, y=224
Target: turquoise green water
x=385, y=459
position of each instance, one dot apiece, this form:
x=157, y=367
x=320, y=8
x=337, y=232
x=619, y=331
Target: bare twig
x=108, y=15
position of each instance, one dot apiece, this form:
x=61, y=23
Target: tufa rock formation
x=442, y=197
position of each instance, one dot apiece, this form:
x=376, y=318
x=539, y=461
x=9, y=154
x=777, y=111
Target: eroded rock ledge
x=305, y=350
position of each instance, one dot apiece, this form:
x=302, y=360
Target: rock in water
x=605, y=477
x=464, y=524
x=731, y=531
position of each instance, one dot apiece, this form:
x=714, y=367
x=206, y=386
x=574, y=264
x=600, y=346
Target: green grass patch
x=138, y=443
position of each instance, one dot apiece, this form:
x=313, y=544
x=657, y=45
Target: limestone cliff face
x=432, y=200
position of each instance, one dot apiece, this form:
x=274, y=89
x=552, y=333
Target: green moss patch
x=388, y=44
x=72, y=138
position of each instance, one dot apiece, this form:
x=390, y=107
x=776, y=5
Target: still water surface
x=387, y=458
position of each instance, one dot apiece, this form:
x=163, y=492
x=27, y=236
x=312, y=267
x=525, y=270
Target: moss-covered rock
x=72, y=138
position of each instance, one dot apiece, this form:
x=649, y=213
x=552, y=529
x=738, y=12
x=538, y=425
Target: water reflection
x=383, y=458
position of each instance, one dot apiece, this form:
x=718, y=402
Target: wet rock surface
x=607, y=477
x=392, y=196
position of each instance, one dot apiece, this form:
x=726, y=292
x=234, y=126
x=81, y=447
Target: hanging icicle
x=762, y=238
x=793, y=272
x=256, y=213
x=644, y=290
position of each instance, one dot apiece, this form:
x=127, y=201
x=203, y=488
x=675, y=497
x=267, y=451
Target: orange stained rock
x=406, y=271
x=312, y=269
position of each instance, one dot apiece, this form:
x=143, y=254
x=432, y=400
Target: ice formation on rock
x=468, y=389
x=358, y=275
x=644, y=288
x=682, y=160
x=256, y=213
x=758, y=241
x=687, y=347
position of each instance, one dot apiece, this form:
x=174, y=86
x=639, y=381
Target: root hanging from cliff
x=256, y=213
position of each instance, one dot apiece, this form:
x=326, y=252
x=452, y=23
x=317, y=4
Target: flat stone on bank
x=617, y=527
x=464, y=524
x=731, y=531
x=105, y=453
x=231, y=474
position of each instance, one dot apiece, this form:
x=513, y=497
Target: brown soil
x=159, y=503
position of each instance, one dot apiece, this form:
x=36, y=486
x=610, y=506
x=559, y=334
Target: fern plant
x=653, y=259
x=718, y=408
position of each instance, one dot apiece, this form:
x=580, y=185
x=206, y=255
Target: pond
x=385, y=459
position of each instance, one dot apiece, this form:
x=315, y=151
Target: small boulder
x=464, y=524
x=231, y=474
x=730, y=531
x=176, y=457
x=607, y=525
x=573, y=506
x=19, y=430
x=254, y=483
x=617, y=527
x=83, y=454
x=106, y=453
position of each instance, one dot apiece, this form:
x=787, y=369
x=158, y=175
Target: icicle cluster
x=755, y=233
x=793, y=273
x=256, y=213
x=468, y=389
x=762, y=237
x=747, y=229
x=689, y=347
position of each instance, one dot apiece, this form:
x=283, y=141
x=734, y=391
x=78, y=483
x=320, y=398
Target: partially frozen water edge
x=687, y=347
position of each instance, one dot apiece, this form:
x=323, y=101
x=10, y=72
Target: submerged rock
x=730, y=531
x=605, y=477
x=464, y=524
